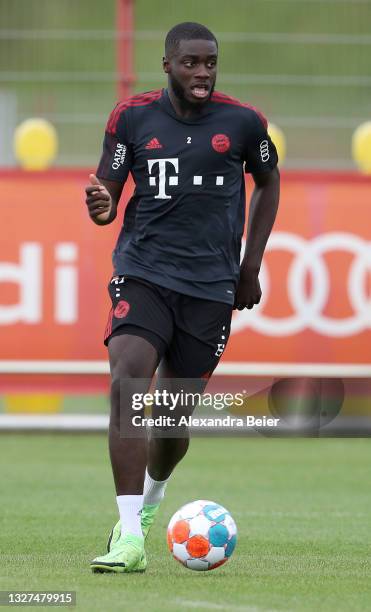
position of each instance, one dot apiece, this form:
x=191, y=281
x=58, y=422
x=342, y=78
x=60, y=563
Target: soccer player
x=177, y=272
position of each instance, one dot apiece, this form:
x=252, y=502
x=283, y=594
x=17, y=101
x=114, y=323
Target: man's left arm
x=262, y=213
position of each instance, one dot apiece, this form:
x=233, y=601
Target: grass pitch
x=302, y=508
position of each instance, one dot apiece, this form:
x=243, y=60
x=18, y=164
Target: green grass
x=301, y=506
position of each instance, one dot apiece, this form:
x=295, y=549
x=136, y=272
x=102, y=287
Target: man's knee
x=133, y=362
x=128, y=367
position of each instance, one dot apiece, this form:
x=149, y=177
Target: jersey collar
x=166, y=105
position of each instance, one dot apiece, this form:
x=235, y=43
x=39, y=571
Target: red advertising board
x=55, y=265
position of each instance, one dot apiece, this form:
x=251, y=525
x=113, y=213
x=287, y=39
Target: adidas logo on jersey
x=154, y=144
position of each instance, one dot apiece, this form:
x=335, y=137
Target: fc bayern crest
x=121, y=309
x=220, y=143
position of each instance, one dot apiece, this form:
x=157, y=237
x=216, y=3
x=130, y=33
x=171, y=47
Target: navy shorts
x=190, y=332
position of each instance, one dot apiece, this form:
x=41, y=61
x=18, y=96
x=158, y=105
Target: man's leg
x=131, y=358
x=166, y=447
x=164, y=451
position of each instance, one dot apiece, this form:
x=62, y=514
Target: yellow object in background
x=33, y=403
x=35, y=144
x=279, y=140
x=361, y=147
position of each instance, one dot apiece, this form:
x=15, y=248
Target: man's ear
x=166, y=65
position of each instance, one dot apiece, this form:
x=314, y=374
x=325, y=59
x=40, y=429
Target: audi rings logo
x=308, y=308
x=264, y=150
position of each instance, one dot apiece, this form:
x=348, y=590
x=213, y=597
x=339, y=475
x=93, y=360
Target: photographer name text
x=189, y=421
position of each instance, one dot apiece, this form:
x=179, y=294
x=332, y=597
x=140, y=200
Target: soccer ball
x=202, y=535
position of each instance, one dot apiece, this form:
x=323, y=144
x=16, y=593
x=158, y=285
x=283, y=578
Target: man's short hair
x=186, y=31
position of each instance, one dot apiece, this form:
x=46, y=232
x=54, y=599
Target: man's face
x=192, y=70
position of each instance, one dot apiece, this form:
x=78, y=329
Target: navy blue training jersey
x=183, y=225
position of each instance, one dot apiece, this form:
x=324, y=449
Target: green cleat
x=148, y=516
x=127, y=555
x=114, y=536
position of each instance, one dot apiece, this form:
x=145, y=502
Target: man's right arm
x=103, y=193
x=102, y=198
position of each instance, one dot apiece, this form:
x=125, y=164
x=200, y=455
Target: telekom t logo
x=173, y=180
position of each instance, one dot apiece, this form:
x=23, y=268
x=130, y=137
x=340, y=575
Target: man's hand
x=248, y=291
x=98, y=200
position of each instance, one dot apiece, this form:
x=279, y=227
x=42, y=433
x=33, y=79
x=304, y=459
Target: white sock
x=154, y=490
x=130, y=507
